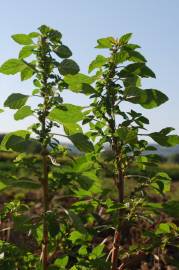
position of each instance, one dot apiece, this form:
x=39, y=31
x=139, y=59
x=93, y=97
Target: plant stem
x=120, y=185
x=114, y=256
x=43, y=138
x=118, y=231
x=45, y=206
x=45, y=193
x=117, y=149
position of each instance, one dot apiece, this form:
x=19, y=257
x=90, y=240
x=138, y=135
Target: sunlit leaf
x=12, y=66
x=62, y=262
x=68, y=114
x=97, y=63
x=72, y=128
x=26, y=51
x=26, y=73
x=23, y=112
x=125, y=38
x=163, y=228
x=22, y=39
x=105, y=42
x=77, y=82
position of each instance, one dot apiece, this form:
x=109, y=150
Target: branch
x=30, y=65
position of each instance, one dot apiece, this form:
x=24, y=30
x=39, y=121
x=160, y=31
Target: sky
x=154, y=24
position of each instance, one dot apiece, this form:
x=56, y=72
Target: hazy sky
x=154, y=23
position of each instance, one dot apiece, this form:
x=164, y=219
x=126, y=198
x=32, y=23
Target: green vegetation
x=92, y=210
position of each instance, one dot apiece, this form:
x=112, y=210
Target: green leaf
x=126, y=134
x=163, y=228
x=89, y=184
x=105, y=42
x=164, y=139
x=20, y=133
x=142, y=162
x=26, y=51
x=23, y=112
x=26, y=73
x=133, y=81
x=125, y=38
x=167, y=130
x=131, y=46
x=19, y=141
x=12, y=66
x=20, y=144
x=154, y=206
x=76, y=82
x=81, y=142
x=35, y=91
x=83, y=250
x=152, y=98
x=37, y=83
x=77, y=222
x=97, y=63
x=68, y=114
x=135, y=56
x=161, y=182
x=97, y=252
x=15, y=143
x=172, y=208
x=2, y=186
x=22, y=223
x=63, y=51
x=44, y=29
x=54, y=36
x=34, y=35
x=16, y=101
x=26, y=184
x=83, y=164
x=121, y=56
x=129, y=55
x=76, y=235
x=68, y=66
x=22, y=39
x=1, y=110
x=62, y=262
x=148, y=98
x=143, y=119
x=173, y=140
x=87, y=89
x=72, y=128
x=139, y=69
